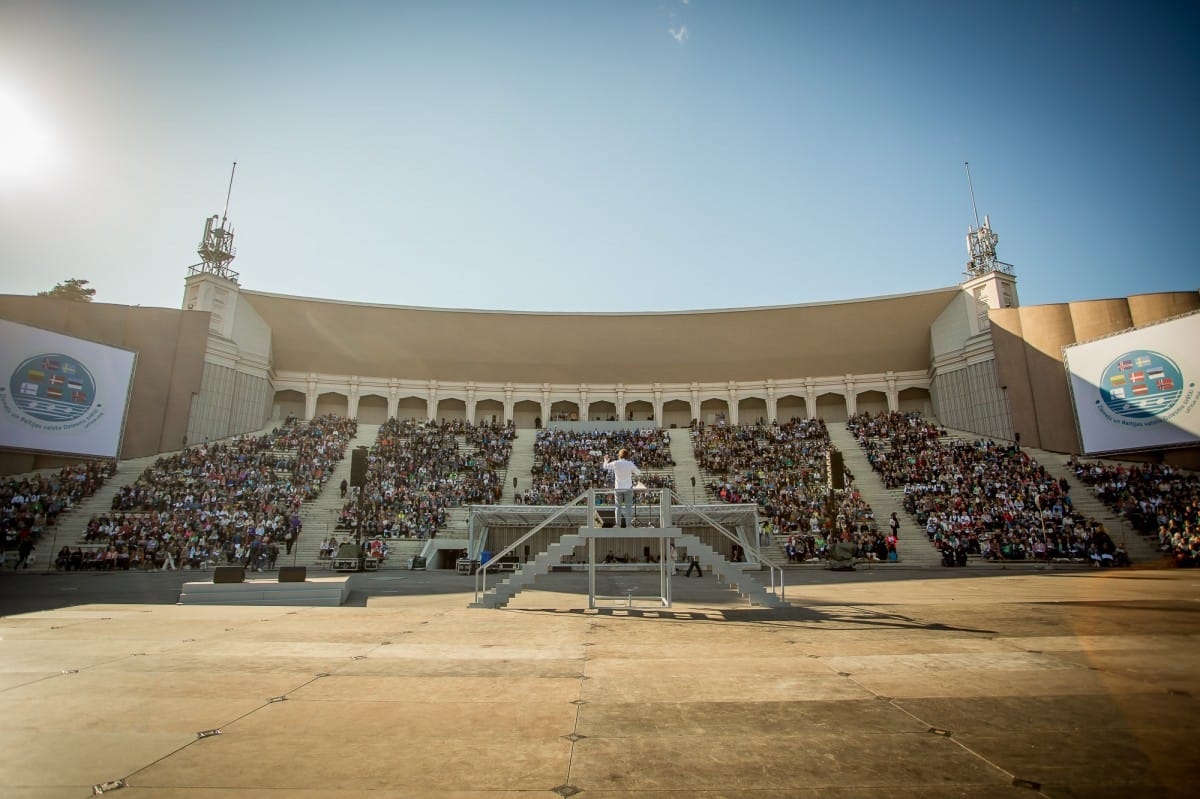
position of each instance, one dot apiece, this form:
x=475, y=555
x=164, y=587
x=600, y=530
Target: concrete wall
x=970, y=398
x=170, y=345
x=867, y=336
x=237, y=394
x=230, y=402
x=1028, y=344
x=964, y=389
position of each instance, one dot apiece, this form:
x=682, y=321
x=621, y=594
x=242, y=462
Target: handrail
x=756, y=551
x=481, y=573
x=773, y=568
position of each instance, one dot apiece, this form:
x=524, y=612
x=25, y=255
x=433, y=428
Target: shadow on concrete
x=855, y=617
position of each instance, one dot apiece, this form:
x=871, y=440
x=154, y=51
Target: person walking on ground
x=695, y=564
x=623, y=471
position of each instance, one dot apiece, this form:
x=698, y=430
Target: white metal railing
x=755, y=550
x=670, y=504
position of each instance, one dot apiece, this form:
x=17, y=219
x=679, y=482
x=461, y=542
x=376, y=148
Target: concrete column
x=545, y=404
x=695, y=402
x=393, y=399
x=658, y=403
x=733, y=403
x=584, y=415
x=470, y=403
x=810, y=398
x=508, y=403
x=431, y=401
x=851, y=399
x=893, y=396
x=620, y=401
x=771, y=406
x=310, y=399
x=352, y=398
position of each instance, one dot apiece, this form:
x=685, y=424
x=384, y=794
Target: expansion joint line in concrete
x=567, y=789
x=68, y=672
x=201, y=735
x=1013, y=778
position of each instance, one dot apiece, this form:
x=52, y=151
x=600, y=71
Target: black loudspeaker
x=837, y=472
x=293, y=574
x=229, y=574
x=358, y=466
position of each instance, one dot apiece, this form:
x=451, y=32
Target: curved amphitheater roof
x=862, y=336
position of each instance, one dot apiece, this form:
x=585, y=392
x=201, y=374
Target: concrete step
x=912, y=544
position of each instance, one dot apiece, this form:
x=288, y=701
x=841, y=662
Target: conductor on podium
x=623, y=471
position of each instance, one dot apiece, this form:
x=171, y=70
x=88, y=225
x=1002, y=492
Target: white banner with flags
x=1137, y=390
x=62, y=394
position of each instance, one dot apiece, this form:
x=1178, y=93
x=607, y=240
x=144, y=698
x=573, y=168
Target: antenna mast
x=216, y=248
x=966, y=164
x=229, y=193
x=981, y=241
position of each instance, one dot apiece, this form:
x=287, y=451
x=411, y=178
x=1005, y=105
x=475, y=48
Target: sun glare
x=26, y=141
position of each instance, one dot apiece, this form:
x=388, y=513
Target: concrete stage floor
x=902, y=684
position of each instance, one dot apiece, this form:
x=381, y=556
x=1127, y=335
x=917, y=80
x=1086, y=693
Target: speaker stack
x=229, y=574
x=293, y=574
x=358, y=466
x=837, y=470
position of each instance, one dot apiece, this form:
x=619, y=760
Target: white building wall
x=969, y=398
x=963, y=386
x=236, y=390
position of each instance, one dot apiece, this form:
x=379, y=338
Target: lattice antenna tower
x=216, y=248
x=981, y=241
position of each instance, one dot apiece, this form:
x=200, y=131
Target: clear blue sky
x=604, y=156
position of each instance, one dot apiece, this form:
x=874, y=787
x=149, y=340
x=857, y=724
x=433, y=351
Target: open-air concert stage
x=902, y=684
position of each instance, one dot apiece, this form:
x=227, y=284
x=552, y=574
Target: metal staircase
x=500, y=594
x=670, y=514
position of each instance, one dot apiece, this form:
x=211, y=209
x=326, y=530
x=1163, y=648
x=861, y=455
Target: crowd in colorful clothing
x=31, y=504
x=782, y=468
x=235, y=502
x=416, y=471
x=1158, y=500
x=980, y=497
x=566, y=463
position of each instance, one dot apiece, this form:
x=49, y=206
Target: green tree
x=74, y=289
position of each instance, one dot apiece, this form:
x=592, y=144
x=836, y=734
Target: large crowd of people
x=31, y=504
x=231, y=502
x=782, y=468
x=238, y=501
x=1157, y=499
x=567, y=463
x=416, y=471
x=980, y=497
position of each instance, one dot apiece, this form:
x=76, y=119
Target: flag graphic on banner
x=1155, y=374
x=1137, y=377
x=75, y=385
x=1140, y=389
x=35, y=375
x=78, y=396
x=1125, y=365
x=51, y=365
x=1117, y=380
x=56, y=380
x=29, y=388
x=53, y=393
x=1117, y=393
x=68, y=369
x=1143, y=360
x=1165, y=384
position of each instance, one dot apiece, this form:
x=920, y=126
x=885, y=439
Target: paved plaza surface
x=892, y=683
